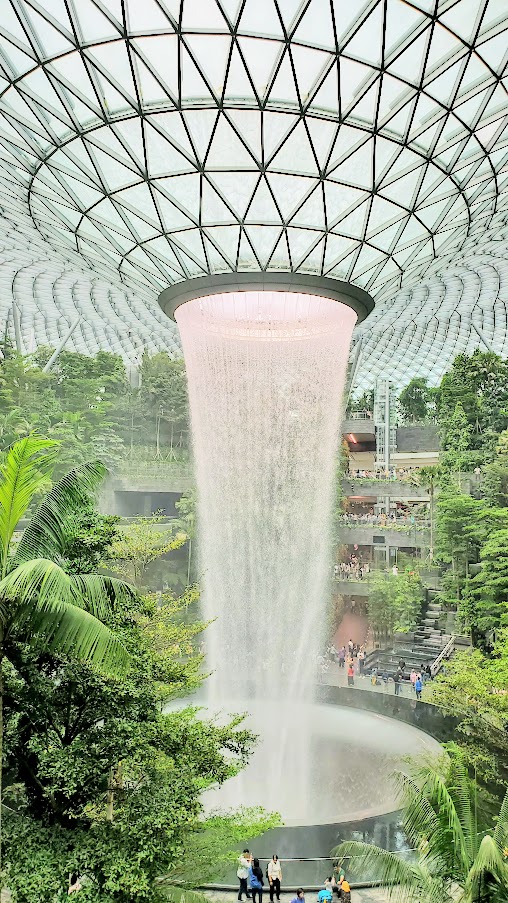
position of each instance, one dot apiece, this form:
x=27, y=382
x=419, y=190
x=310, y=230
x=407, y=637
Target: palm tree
x=38, y=599
x=457, y=862
x=428, y=477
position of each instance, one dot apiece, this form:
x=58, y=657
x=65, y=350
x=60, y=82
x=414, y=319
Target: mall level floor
x=358, y=895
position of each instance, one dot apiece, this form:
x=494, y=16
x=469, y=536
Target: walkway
x=352, y=627
x=337, y=677
x=363, y=895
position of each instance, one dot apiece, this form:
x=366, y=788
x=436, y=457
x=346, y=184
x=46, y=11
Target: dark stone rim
x=181, y=292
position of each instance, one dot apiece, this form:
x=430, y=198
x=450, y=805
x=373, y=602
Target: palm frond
x=98, y=594
x=501, y=829
x=448, y=842
x=25, y=470
x=488, y=871
x=177, y=894
x=461, y=792
x=420, y=819
x=45, y=535
x=404, y=881
x=48, y=604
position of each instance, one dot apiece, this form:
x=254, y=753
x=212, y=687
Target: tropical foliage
x=459, y=859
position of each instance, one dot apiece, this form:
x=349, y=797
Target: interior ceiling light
x=155, y=141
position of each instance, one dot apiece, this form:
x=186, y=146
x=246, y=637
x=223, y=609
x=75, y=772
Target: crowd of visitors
x=352, y=569
x=381, y=519
x=393, y=473
x=251, y=879
x=351, y=659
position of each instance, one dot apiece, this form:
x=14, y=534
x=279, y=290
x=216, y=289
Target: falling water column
x=266, y=374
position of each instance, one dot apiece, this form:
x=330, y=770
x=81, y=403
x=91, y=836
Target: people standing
x=256, y=881
x=274, y=872
x=242, y=873
x=396, y=683
x=412, y=677
x=361, y=660
x=418, y=686
x=342, y=656
x=345, y=891
x=350, y=673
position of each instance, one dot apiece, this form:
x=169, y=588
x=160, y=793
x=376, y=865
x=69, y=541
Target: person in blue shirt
x=256, y=881
x=418, y=686
x=300, y=898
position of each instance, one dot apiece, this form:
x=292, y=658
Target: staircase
x=420, y=648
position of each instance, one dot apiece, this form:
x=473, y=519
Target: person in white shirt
x=274, y=876
x=242, y=873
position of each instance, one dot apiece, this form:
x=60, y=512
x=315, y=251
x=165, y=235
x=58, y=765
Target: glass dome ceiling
x=150, y=141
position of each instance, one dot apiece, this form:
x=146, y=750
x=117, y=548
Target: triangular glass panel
x=283, y=88
x=296, y=153
x=185, y=190
x=212, y=53
x=339, y=199
x=201, y=125
x=301, y=242
x=368, y=40
x=93, y=24
x=381, y=213
x=113, y=60
x=322, y=134
x=313, y=262
x=141, y=17
x=237, y=187
x=226, y=238
x=139, y=200
x=393, y=93
x=263, y=240
x=327, y=96
x=113, y=173
x=193, y=86
x=462, y=19
x=309, y=65
x=442, y=46
x=160, y=53
x=401, y=21
x=409, y=64
x=384, y=240
x=172, y=217
x=231, y=8
x=280, y=257
x=172, y=124
x=20, y=62
x=130, y=136
x=107, y=213
x=261, y=17
x=263, y=208
x=247, y=260
x=353, y=225
x=12, y=25
x=248, y=125
x=289, y=191
x=53, y=41
x=354, y=78
x=190, y=242
x=213, y=209
x=203, y=14
x=494, y=52
x=238, y=83
x=315, y=26
x=162, y=158
x=150, y=89
x=227, y=150
x=346, y=17
x=275, y=127
x=357, y=169
x=216, y=262
x=311, y=213
x=365, y=109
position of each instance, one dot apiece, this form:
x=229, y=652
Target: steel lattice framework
x=150, y=141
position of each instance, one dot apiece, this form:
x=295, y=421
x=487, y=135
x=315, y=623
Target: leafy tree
x=364, y=402
x=107, y=782
x=456, y=853
x=38, y=599
x=395, y=602
x=163, y=392
x=140, y=544
x=490, y=585
x=429, y=477
x=415, y=401
x=479, y=383
x=472, y=689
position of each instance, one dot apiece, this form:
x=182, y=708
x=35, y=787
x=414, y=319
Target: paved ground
x=367, y=895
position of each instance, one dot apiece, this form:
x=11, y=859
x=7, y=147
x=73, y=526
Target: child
x=256, y=881
x=300, y=898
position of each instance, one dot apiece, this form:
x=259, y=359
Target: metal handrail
x=445, y=653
